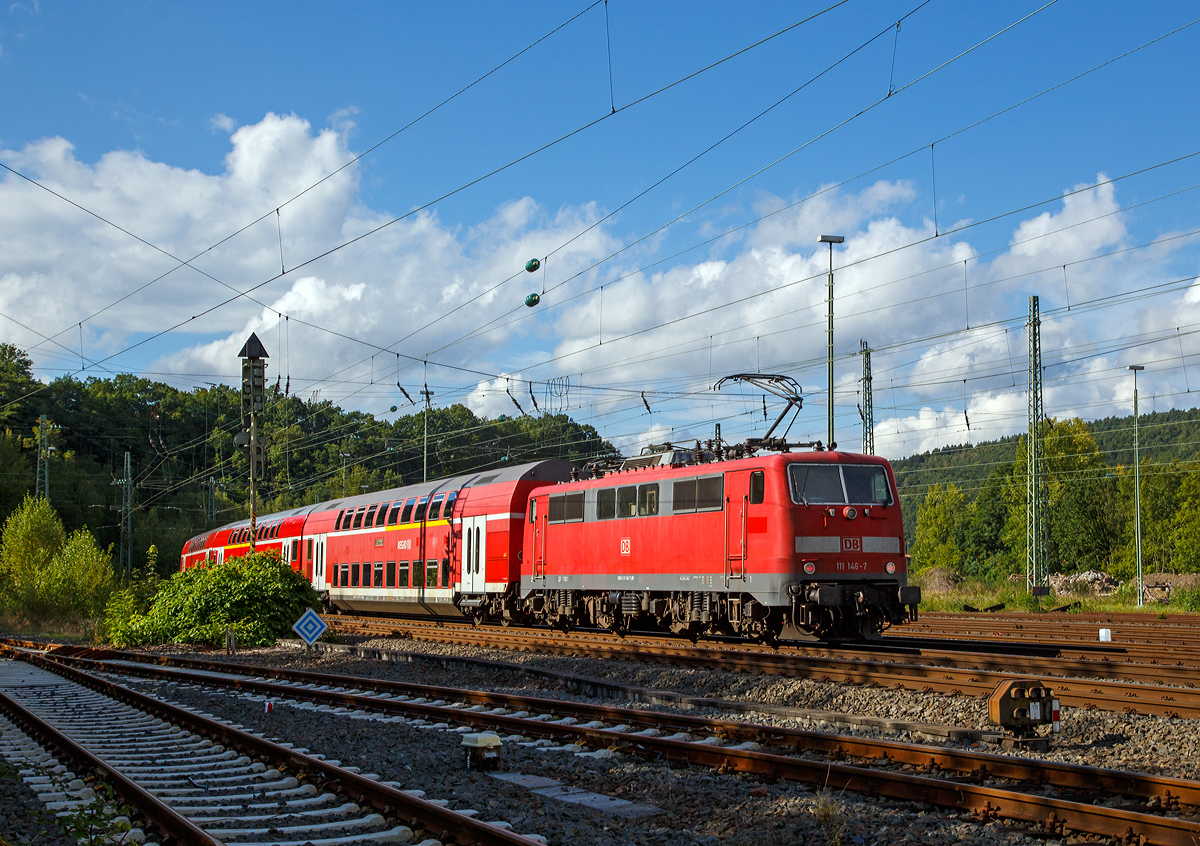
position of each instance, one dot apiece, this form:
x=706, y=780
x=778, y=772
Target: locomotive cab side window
x=532, y=511
x=758, y=487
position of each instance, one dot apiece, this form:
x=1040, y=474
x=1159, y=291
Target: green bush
x=45, y=574
x=1186, y=600
x=258, y=595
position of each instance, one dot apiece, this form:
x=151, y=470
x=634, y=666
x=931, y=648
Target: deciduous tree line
x=1089, y=518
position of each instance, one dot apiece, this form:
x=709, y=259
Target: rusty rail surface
x=1054, y=815
x=1105, y=695
x=388, y=800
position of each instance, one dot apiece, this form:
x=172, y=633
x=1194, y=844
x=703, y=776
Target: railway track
x=203, y=783
x=1059, y=798
x=1136, y=632
x=1077, y=682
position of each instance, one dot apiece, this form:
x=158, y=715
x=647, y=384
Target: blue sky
x=181, y=125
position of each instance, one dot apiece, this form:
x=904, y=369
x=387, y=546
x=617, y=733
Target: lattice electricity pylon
x=42, y=483
x=868, y=411
x=1036, y=565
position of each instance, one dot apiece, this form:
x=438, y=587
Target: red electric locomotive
x=745, y=547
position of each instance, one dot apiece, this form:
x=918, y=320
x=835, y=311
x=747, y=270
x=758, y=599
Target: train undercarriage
x=827, y=612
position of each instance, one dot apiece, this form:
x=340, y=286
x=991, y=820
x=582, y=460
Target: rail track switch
x=1020, y=707
x=482, y=750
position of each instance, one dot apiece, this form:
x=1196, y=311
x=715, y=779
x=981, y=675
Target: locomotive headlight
x=890, y=567
x=850, y=512
x=810, y=567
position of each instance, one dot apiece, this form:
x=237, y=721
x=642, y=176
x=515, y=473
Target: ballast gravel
x=699, y=805
x=23, y=819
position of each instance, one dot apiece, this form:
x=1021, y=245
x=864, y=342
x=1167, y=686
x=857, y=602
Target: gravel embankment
x=698, y=805
x=1159, y=745
x=702, y=807
x=23, y=820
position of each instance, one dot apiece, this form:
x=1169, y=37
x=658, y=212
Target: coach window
x=449, y=509
x=345, y=581
x=627, y=501
x=295, y=550
x=383, y=510
x=354, y=574
x=422, y=505
x=337, y=524
x=710, y=493
x=369, y=520
x=378, y=574
x=606, y=504
x=358, y=516
x=402, y=574
x=435, y=508
x=394, y=514
x=406, y=517
x=418, y=575
x=648, y=500
x=431, y=568
x=309, y=557
x=391, y=574
x=866, y=484
x=445, y=572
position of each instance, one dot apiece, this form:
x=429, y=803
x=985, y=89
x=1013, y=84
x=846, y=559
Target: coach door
x=474, y=554
x=737, y=504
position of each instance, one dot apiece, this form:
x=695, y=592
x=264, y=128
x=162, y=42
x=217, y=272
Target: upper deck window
x=395, y=512
x=358, y=515
x=406, y=517
x=435, y=507
x=369, y=520
x=422, y=504
x=837, y=484
x=449, y=509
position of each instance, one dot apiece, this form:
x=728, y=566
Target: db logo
x=851, y=544
x=624, y=546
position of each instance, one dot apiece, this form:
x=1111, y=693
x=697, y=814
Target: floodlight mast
x=784, y=387
x=831, y=240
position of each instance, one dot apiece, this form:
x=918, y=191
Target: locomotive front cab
x=850, y=569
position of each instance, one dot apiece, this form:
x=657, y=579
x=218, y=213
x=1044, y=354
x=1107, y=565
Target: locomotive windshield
x=839, y=484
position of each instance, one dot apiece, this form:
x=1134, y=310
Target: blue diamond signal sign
x=310, y=626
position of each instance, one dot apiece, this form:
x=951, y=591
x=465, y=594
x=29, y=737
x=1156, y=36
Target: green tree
x=938, y=519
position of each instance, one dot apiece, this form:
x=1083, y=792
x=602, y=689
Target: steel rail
x=160, y=815
x=388, y=800
x=1096, y=663
x=977, y=764
x=1056, y=815
x=1122, y=697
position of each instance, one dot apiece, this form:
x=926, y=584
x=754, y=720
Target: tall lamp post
x=830, y=240
x=1137, y=485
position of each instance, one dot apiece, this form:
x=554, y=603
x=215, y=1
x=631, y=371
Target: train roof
x=553, y=470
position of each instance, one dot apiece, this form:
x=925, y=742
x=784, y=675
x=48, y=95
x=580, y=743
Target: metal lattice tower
x=42, y=484
x=868, y=411
x=126, y=562
x=1036, y=565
